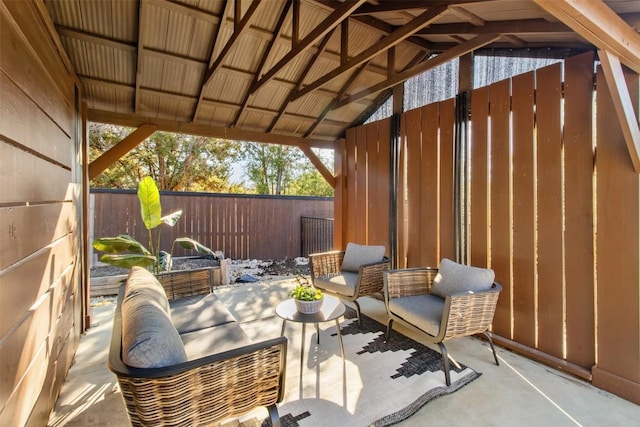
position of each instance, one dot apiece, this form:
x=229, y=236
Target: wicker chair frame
x=204, y=391
x=370, y=280
x=464, y=313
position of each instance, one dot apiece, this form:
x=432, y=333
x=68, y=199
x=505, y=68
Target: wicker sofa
x=186, y=361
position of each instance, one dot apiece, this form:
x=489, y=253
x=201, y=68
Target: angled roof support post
x=120, y=149
x=326, y=174
x=614, y=76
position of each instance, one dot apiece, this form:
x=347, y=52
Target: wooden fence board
x=618, y=242
x=380, y=232
x=550, y=211
x=241, y=227
x=413, y=194
x=428, y=219
x=361, y=211
x=352, y=218
x=579, y=225
x=478, y=235
x=500, y=236
x=447, y=118
x=524, y=295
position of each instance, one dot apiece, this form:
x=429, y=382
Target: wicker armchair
x=327, y=273
x=409, y=301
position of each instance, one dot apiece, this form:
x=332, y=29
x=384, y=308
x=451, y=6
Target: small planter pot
x=309, y=307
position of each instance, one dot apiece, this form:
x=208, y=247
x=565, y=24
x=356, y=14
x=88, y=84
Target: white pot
x=309, y=307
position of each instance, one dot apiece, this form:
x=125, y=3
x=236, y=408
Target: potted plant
x=307, y=298
x=125, y=251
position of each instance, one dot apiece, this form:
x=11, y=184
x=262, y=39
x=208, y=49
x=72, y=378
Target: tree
x=271, y=168
x=310, y=181
x=175, y=161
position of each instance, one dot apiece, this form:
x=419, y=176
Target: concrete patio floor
x=519, y=392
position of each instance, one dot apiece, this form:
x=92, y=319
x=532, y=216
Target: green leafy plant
x=306, y=293
x=136, y=254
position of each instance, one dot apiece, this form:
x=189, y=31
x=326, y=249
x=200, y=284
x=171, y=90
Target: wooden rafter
x=600, y=26
x=623, y=104
x=165, y=125
x=120, y=149
x=333, y=103
x=528, y=26
x=454, y=52
x=329, y=23
x=140, y=53
x=238, y=27
x=402, y=5
x=384, y=44
x=277, y=32
x=310, y=64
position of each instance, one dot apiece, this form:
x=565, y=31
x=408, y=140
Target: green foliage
x=139, y=255
x=176, y=162
x=305, y=293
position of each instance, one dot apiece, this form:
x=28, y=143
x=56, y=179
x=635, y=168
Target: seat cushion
x=206, y=342
x=422, y=311
x=342, y=284
x=149, y=339
x=453, y=277
x=356, y=255
x=142, y=281
x=199, y=312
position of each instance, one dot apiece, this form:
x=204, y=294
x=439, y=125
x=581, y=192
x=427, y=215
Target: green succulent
x=306, y=293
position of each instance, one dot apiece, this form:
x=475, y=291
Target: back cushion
x=453, y=277
x=142, y=281
x=356, y=255
x=149, y=339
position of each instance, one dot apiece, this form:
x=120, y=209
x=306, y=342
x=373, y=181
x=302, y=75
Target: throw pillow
x=453, y=277
x=356, y=255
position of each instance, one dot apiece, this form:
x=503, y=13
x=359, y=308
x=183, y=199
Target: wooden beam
x=190, y=128
x=315, y=160
x=386, y=43
x=329, y=23
x=600, y=26
x=448, y=55
x=623, y=104
x=120, y=149
x=529, y=26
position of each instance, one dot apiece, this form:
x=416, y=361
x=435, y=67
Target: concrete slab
x=519, y=392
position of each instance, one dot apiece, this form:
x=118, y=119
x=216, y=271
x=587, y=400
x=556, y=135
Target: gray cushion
x=423, y=311
x=142, y=281
x=199, y=312
x=356, y=255
x=210, y=341
x=453, y=277
x=149, y=339
x=342, y=284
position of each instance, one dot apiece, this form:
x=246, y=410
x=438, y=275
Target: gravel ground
x=263, y=270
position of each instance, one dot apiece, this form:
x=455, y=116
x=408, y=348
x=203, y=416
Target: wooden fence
x=562, y=239
x=241, y=226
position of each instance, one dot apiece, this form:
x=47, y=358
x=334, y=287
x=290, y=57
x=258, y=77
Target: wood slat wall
x=40, y=316
x=363, y=186
x=562, y=235
x=241, y=227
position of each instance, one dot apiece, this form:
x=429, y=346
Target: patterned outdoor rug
x=378, y=384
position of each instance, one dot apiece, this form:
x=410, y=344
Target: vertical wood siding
x=566, y=251
x=39, y=253
x=242, y=227
x=365, y=178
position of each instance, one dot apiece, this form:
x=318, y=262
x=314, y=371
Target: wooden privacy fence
x=241, y=226
x=552, y=207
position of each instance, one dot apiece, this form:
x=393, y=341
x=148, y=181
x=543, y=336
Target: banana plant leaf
x=165, y=261
x=119, y=244
x=188, y=243
x=150, y=207
x=128, y=260
x=172, y=218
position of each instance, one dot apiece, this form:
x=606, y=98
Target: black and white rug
x=378, y=383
